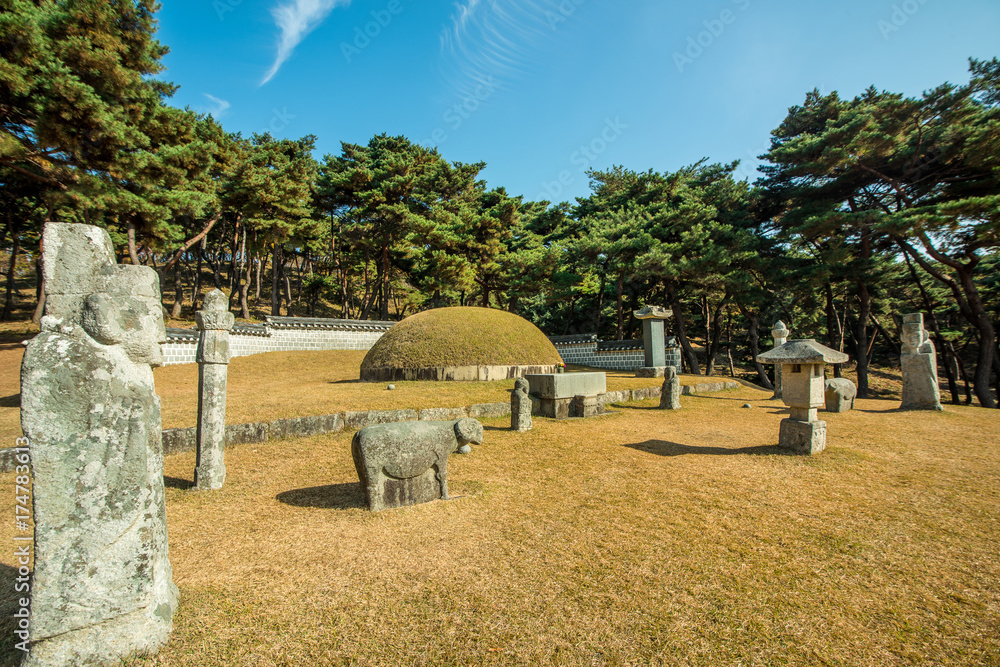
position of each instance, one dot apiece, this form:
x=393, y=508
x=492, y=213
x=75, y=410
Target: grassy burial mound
x=460, y=344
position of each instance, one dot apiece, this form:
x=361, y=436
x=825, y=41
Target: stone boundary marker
x=179, y=440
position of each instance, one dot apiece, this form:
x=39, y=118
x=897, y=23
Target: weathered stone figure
x=214, y=321
x=780, y=334
x=520, y=406
x=102, y=585
x=406, y=463
x=670, y=394
x=919, y=362
x=840, y=394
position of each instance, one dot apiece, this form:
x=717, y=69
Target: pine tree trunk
x=383, y=309
x=15, y=238
x=600, y=305
x=716, y=334
x=834, y=334
x=36, y=317
x=276, y=261
x=620, y=306
x=133, y=252
x=861, y=337
x=753, y=334
x=258, y=266
x=196, y=283
x=236, y=271
x=692, y=358
x=245, y=287
x=178, y=308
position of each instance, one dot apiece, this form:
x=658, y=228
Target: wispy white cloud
x=218, y=106
x=296, y=19
x=496, y=38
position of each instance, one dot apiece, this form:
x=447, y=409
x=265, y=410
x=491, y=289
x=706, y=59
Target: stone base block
x=553, y=408
x=651, y=372
x=802, y=437
x=585, y=406
x=581, y=405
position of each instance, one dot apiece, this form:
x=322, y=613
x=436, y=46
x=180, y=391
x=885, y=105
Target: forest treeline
x=866, y=208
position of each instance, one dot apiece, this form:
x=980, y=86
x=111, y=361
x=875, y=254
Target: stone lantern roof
x=802, y=351
x=652, y=313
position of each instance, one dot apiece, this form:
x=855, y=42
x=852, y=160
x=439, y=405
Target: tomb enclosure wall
x=281, y=334
x=616, y=355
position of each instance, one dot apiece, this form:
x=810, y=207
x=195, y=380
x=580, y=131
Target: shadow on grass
x=345, y=381
x=177, y=483
x=666, y=448
x=11, y=401
x=331, y=496
x=495, y=428
x=9, y=656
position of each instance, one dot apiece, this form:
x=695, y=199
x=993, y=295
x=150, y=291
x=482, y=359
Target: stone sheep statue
x=406, y=463
x=839, y=394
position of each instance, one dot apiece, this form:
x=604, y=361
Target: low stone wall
x=280, y=334
x=179, y=440
x=618, y=355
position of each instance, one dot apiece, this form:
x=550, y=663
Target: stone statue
x=406, y=463
x=102, y=587
x=520, y=406
x=839, y=394
x=214, y=321
x=919, y=363
x=670, y=394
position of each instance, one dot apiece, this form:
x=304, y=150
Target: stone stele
x=406, y=463
x=919, y=363
x=214, y=321
x=653, y=340
x=520, y=406
x=102, y=586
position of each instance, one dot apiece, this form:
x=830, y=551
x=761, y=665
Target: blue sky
x=542, y=90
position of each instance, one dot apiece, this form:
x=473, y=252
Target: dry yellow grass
x=288, y=384
x=642, y=537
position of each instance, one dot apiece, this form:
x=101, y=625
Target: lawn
x=278, y=385
x=640, y=537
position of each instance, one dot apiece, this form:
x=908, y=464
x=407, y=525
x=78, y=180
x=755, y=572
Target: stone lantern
x=803, y=390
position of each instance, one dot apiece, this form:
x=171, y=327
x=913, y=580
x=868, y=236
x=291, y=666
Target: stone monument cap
x=652, y=313
x=802, y=351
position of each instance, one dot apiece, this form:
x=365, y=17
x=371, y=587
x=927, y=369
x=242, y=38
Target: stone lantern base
x=802, y=437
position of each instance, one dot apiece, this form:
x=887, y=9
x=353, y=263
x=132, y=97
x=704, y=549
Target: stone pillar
x=653, y=341
x=780, y=334
x=214, y=322
x=919, y=363
x=102, y=587
x=520, y=406
x=670, y=394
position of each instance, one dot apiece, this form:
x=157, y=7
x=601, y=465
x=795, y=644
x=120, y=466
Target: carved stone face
x=913, y=338
x=128, y=313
